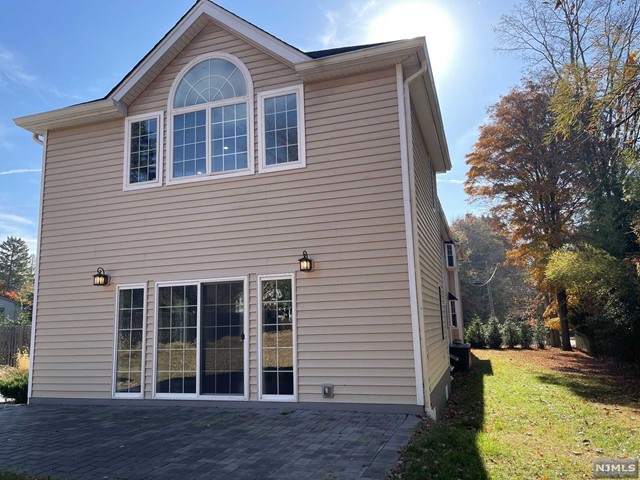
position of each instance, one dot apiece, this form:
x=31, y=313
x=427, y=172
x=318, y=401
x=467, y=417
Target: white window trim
x=446, y=256
x=302, y=160
x=196, y=396
x=132, y=286
x=454, y=304
x=250, y=170
x=126, y=186
x=279, y=398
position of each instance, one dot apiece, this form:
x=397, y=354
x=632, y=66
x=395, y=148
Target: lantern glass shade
x=306, y=264
x=100, y=278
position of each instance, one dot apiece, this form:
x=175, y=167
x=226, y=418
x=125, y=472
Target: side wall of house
x=432, y=287
x=345, y=208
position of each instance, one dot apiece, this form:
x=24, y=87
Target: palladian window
x=211, y=120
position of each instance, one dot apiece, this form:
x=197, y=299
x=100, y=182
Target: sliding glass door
x=201, y=347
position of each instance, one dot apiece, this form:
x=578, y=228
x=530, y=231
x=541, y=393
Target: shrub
x=474, y=333
x=526, y=334
x=22, y=360
x=14, y=385
x=492, y=333
x=14, y=381
x=510, y=333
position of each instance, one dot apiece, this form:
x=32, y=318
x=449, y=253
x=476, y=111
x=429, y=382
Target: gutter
x=406, y=153
x=36, y=287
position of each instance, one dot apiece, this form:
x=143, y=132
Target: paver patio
x=115, y=442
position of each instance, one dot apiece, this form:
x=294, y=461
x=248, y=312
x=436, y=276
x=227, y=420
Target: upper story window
x=281, y=117
x=451, y=255
x=211, y=120
x=143, y=151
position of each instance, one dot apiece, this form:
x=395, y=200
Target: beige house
x=197, y=183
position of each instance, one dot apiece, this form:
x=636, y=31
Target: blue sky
x=55, y=54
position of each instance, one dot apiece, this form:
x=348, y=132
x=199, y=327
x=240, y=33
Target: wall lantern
x=306, y=264
x=101, y=278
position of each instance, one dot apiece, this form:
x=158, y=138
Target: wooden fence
x=12, y=339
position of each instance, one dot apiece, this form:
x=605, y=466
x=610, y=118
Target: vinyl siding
x=345, y=208
x=430, y=262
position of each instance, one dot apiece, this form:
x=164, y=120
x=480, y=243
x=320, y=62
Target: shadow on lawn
x=592, y=389
x=447, y=450
x=599, y=380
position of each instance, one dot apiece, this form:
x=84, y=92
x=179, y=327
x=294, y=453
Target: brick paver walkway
x=187, y=443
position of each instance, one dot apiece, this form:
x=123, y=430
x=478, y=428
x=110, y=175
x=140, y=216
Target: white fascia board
x=279, y=48
x=230, y=21
x=342, y=63
x=82, y=114
x=445, y=231
x=436, y=114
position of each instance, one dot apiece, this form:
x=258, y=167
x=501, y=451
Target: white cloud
x=452, y=181
x=5, y=143
x=13, y=73
x=346, y=26
x=360, y=22
x=6, y=217
x=17, y=226
x=20, y=170
x=11, y=70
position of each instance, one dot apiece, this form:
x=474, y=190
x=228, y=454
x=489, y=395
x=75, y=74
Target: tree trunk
x=561, y=297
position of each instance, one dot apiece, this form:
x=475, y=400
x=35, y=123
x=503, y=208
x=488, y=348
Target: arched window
x=211, y=119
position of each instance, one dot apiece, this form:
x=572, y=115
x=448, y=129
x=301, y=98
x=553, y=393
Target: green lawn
x=529, y=414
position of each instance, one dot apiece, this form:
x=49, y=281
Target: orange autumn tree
x=531, y=182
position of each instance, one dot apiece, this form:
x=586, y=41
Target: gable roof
x=311, y=66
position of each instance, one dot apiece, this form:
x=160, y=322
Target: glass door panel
x=222, y=338
x=277, y=337
x=176, y=349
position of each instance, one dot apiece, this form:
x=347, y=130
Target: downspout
x=406, y=154
x=34, y=313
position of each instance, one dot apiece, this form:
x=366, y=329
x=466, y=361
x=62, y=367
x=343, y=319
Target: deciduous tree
x=590, y=49
x=530, y=181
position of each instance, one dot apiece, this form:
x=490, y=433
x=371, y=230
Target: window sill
x=278, y=398
x=281, y=167
x=141, y=186
x=130, y=396
x=207, y=177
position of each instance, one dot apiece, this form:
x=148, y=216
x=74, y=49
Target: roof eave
x=425, y=99
x=83, y=114
x=358, y=61
x=445, y=230
x=114, y=105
